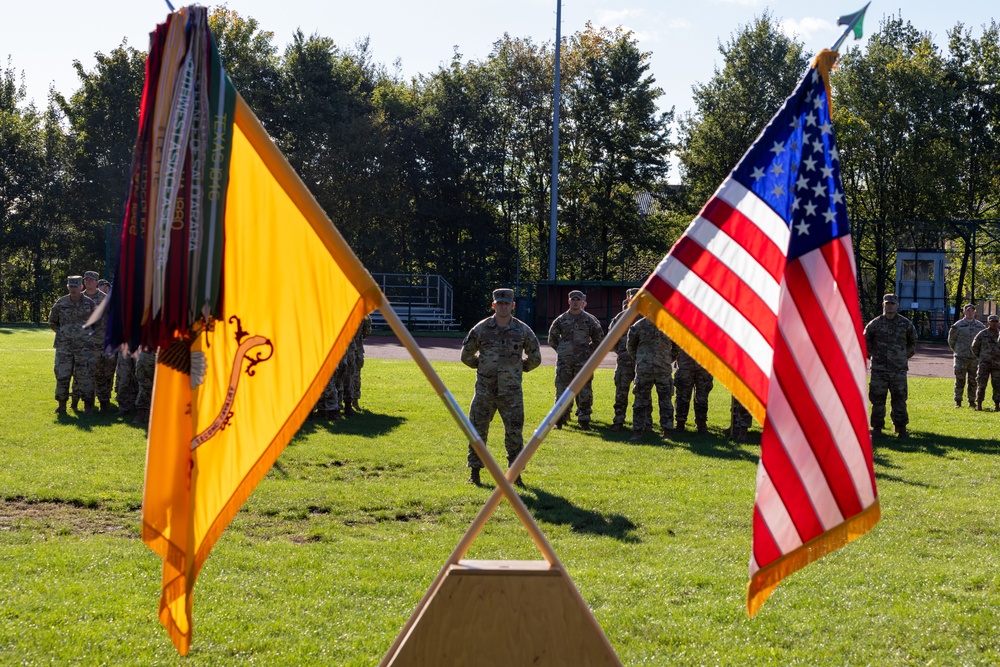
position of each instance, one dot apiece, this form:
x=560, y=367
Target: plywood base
x=504, y=613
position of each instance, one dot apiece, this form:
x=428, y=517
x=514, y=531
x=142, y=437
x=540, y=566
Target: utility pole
x=554, y=203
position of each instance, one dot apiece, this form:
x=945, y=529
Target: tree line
x=448, y=172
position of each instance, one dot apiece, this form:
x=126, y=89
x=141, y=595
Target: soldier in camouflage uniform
x=500, y=348
x=987, y=349
x=624, y=368
x=960, y=338
x=364, y=330
x=145, y=373
x=654, y=355
x=128, y=387
x=104, y=366
x=74, y=349
x=574, y=335
x=692, y=378
x=740, y=421
x=891, y=341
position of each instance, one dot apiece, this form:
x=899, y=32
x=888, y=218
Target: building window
x=918, y=269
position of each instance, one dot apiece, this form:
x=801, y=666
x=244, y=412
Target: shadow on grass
x=935, y=444
x=89, y=422
x=369, y=424
x=559, y=511
x=715, y=444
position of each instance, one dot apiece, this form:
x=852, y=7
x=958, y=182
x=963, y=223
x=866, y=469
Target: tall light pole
x=554, y=203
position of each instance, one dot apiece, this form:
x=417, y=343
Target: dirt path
x=931, y=360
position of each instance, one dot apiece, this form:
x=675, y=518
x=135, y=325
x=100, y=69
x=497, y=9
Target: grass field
x=342, y=538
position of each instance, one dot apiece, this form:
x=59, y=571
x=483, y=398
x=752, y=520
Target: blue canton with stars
x=794, y=166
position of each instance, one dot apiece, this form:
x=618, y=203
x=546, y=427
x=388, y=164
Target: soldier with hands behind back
x=960, y=337
x=891, y=341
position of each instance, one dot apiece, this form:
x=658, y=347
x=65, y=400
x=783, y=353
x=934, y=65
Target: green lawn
x=339, y=542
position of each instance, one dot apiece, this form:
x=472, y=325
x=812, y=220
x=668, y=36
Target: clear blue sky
x=44, y=37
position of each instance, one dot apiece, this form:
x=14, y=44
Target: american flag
x=761, y=290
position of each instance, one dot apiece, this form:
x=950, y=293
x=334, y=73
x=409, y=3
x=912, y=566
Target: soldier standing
x=960, y=338
x=104, y=366
x=574, y=335
x=891, y=341
x=624, y=368
x=987, y=348
x=740, y=421
x=500, y=348
x=692, y=378
x=128, y=387
x=364, y=330
x=74, y=349
x=145, y=374
x=654, y=358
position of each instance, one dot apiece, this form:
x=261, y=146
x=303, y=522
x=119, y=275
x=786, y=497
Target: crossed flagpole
x=504, y=488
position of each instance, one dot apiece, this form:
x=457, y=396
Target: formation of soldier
x=85, y=373
x=342, y=395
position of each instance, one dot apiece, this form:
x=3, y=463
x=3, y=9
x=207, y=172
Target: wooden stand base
x=504, y=613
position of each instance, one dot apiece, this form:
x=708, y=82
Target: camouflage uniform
x=574, y=338
x=500, y=354
x=74, y=349
x=364, y=330
x=145, y=373
x=960, y=338
x=128, y=388
x=690, y=377
x=654, y=357
x=740, y=421
x=891, y=342
x=987, y=349
x=624, y=375
x=104, y=366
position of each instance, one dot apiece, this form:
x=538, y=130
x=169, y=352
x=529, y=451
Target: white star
x=819, y=189
x=803, y=182
x=778, y=190
x=795, y=204
x=805, y=138
x=818, y=102
x=810, y=209
x=815, y=77
x=830, y=215
x=837, y=197
x=809, y=163
x=796, y=122
x=802, y=228
x=834, y=153
x=794, y=145
x=777, y=149
x=811, y=119
x=826, y=127
x=818, y=146
x=827, y=172
x=757, y=174
x=777, y=169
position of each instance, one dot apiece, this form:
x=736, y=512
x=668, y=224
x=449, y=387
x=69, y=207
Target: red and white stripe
x=814, y=472
x=722, y=280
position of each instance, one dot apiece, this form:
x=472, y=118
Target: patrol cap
x=969, y=305
x=890, y=298
x=102, y=281
x=631, y=292
x=74, y=281
x=92, y=274
x=577, y=294
x=503, y=295
x=993, y=318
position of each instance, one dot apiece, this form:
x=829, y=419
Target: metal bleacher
x=424, y=302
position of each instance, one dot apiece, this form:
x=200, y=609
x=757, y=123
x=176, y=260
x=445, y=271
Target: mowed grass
x=338, y=543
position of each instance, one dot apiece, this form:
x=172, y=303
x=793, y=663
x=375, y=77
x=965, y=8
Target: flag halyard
x=761, y=290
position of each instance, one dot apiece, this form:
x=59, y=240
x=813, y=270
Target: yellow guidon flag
x=232, y=388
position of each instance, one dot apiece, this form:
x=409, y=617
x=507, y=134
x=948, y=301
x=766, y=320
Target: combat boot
x=637, y=435
x=61, y=409
x=519, y=483
x=584, y=426
x=332, y=415
x=105, y=405
x=900, y=431
x=474, y=477
x=958, y=404
x=876, y=432
x=617, y=427
x=681, y=425
x=141, y=418
x=357, y=407
x=979, y=406
x=739, y=434
x=702, y=427
x=349, y=409
x=996, y=407
x=88, y=406
x=76, y=404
